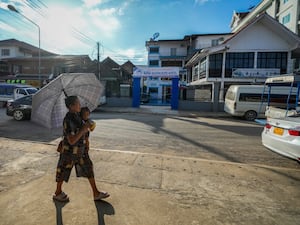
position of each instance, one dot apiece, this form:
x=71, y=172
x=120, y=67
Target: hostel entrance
x=159, y=85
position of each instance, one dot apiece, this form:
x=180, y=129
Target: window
x=251, y=97
x=173, y=51
x=214, y=42
x=286, y=19
x=285, y=1
x=3, y=68
x=5, y=52
x=21, y=91
x=272, y=60
x=153, y=63
x=278, y=100
x=215, y=65
x=171, y=63
x=202, y=68
x=238, y=60
x=154, y=50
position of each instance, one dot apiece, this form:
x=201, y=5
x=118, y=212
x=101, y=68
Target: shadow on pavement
x=27, y=130
x=252, y=130
x=59, y=206
x=103, y=208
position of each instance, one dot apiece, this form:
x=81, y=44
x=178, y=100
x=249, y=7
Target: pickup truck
x=14, y=91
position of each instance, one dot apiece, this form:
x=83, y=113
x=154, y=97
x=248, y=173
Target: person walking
x=74, y=152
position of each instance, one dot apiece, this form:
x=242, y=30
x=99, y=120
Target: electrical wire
x=41, y=9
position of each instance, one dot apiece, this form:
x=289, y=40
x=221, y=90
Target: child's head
x=85, y=113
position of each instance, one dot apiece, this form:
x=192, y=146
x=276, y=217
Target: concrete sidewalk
x=145, y=189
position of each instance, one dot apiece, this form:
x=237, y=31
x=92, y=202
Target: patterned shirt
x=71, y=126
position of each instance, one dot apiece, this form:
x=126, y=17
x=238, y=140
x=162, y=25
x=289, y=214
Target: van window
x=230, y=95
x=31, y=90
x=247, y=97
x=22, y=92
x=274, y=98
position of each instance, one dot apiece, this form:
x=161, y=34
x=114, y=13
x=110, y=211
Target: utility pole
x=98, y=60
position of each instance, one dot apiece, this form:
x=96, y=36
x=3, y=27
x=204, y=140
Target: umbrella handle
x=65, y=92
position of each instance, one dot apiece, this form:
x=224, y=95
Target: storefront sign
x=240, y=73
x=156, y=72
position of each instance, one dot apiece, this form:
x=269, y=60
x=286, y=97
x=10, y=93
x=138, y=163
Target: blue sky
x=120, y=26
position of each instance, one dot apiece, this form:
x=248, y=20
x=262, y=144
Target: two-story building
x=260, y=49
x=174, y=53
x=286, y=12
x=36, y=66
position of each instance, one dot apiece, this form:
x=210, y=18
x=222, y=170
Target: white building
x=286, y=12
x=259, y=49
x=174, y=53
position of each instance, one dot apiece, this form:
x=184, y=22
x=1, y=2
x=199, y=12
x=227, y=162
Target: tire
x=19, y=115
x=250, y=115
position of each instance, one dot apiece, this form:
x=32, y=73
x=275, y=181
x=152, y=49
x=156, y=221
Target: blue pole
x=136, y=92
x=175, y=93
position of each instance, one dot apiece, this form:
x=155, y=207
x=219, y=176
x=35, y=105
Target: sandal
x=62, y=197
x=101, y=195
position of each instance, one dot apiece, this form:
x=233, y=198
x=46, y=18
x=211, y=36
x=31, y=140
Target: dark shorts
x=82, y=162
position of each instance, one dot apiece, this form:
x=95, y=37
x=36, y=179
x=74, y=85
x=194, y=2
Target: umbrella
x=48, y=104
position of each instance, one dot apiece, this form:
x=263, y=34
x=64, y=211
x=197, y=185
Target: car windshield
x=24, y=99
x=31, y=90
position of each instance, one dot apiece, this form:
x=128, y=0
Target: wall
x=183, y=104
x=266, y=41
x=165, y=49
x=206, y=41
x=199, y=106
x=118, y=102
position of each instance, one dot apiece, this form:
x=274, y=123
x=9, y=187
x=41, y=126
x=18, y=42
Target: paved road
x=158, y=169
x=224, y=139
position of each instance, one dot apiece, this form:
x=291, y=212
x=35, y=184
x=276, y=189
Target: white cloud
x=69, y=30
x=105, y=20
x=137, y=56
x=6, y=27
x=3, y=5
x=92, y=3
x=61, y=27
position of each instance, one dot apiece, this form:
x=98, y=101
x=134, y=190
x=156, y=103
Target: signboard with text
x=156, y=72
x=248, y=72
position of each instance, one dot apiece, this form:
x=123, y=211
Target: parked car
x=283, y=136
x=20, y=108
x=281, y=133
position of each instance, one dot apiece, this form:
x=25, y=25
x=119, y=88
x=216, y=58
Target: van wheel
x=250, y=115
x=18, y=115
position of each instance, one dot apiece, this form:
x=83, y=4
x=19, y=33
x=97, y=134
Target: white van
x=250, y=102
x=14, y=91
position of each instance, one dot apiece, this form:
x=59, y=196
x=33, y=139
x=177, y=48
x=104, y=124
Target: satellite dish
x=155, y=35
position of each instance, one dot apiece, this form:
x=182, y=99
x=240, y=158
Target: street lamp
x=12, y=8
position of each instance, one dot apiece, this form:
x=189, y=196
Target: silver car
x=282, y=135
